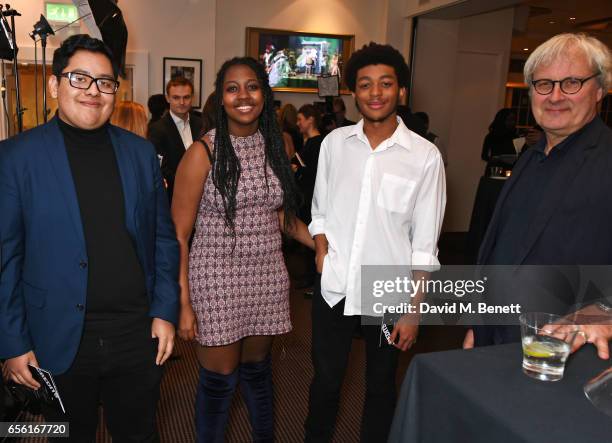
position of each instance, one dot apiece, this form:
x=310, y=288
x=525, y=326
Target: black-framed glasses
x=83, y=81
x=568, y=85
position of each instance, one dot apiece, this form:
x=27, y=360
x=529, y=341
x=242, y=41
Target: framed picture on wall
x=191, y=69
x=294, y=60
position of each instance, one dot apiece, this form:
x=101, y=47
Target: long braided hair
x=226, y=166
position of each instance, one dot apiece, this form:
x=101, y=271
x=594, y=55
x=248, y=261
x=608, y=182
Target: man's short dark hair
x=157, y=105
x=376, y=54
x=80, y=42
x=179, y=81
x=423, y=116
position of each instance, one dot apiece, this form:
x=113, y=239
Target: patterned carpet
x=292, y=372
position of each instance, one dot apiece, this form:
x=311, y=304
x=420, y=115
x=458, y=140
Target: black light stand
x=43, y=30
x=8, y=12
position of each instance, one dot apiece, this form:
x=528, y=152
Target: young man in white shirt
x=379, y=199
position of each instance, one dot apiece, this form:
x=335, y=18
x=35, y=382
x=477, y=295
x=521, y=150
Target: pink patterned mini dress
x=239, y=285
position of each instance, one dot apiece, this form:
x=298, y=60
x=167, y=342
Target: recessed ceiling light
x=525, y=49
x=552, y=22
x=572, y=18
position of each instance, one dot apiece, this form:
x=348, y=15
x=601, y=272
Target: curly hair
x=225, y=164
x=376, y=54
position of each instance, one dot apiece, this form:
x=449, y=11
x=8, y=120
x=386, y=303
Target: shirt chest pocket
x=395, y=193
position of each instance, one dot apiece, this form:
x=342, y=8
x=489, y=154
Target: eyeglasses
x=83, y=81
x=569, y=85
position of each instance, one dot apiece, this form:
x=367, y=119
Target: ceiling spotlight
x=525, y=49
x=572, y=18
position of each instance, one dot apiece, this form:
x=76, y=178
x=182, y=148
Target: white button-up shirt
x=183, y=128
x=376, y=207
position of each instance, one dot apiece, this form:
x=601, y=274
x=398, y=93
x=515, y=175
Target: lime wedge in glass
x=539, y=349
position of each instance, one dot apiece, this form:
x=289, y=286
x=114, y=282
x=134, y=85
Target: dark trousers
x=119, y=372
x=332, y=334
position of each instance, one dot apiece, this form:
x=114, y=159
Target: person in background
x=412, y=122
x=502, y=131
x=130, y=116
x=340, y=113
x=328, y=124
x=431, y=136
x=306, y=161
x=236, y=188
x=288, y=123
x=89, y=265
x=308, y=121
x=425, y=119
x=176, y=130
x=157, y=105
x=533, y=137
x=209, y=114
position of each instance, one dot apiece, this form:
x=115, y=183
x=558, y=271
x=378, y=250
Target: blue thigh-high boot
x=213, y=401
x=256, y=386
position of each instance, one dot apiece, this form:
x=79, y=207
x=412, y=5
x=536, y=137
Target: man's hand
x=319, y=261
x=188, y=325
x=16, y=369
x=320, y=251
x=594, y=326
x=468, y=341
x=164, y=331
x=407, y=329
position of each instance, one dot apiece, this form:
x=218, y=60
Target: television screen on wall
x=295, y=60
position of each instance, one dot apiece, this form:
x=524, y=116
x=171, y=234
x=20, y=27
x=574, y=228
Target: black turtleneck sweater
x=116, y=291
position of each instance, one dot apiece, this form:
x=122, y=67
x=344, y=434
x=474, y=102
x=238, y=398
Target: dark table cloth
x=482, y=395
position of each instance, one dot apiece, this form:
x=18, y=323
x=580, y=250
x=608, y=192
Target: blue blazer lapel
x=58, y=158
x=129, y=182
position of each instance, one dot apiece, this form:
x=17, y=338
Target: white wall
x=460, y=74
x=398, y=27
x=156, y=29
x=365, y=19
x=177, y=28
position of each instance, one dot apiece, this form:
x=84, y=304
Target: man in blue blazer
x=555, y=211
x=88, y=283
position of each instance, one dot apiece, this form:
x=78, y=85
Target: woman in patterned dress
x=236, y=187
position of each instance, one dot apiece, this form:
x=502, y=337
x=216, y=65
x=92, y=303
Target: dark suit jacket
x=571, y=227
x=168, y=143
x=572, y=224
x=43, y=284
